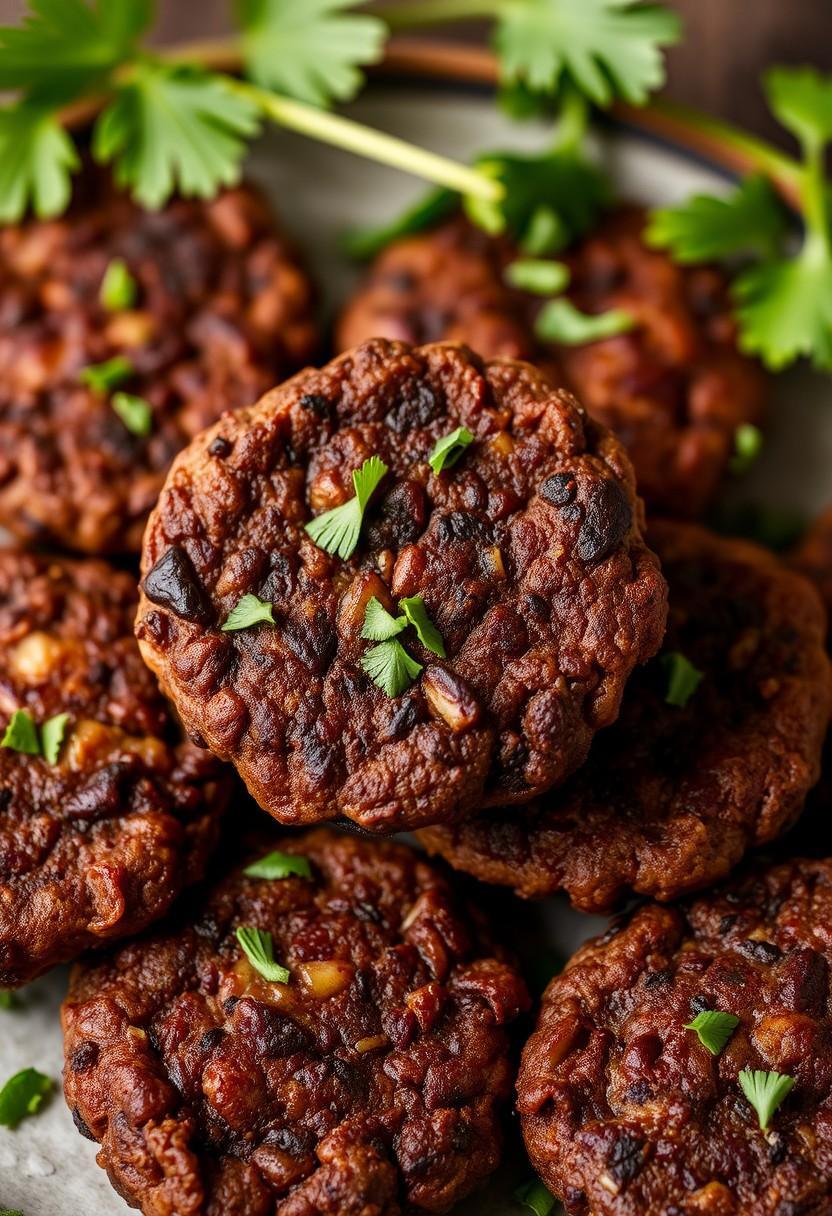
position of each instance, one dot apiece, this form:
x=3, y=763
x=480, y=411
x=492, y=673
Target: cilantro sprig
x=783, y=298
x=22, y=735
x=766, y=1091
x=536, y=1196
x=250, y=610
x=337, y=531
x=23, y=1095
x=168, y=122
x=388, y=664
x=277, y=865
x=683, y=678
x=258, y=947
x=714, y=1028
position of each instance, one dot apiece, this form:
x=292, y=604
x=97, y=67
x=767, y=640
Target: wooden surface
x=727, y=44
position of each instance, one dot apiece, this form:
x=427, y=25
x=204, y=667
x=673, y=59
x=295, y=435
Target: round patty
x=673, y=795
x=222, y=311
x=527, y=555
x=625, y=1111
x=674, y=389
x=96, y=841
x=369, y=1083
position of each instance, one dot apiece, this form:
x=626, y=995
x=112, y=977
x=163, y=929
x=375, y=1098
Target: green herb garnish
x=560, y=321
x=279, y=865
x=118, y=287
x=537, y=1197
x=714, y=1028
x=8, y=999
x=447, y=451
x=390, y=667
x=683, y=679
x=416, y=615
x=544, y=278
x=23, y=1095
x=751, y=220
x=249, y=611
x=104, y=377
x=22, y=734
x=337, y=531
x=52, y=736
x=379, y=624
x=258, y=948
x=134, y=412
x=765, y=1091
x=748, y=443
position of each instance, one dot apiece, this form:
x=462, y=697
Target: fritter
x=673, y=795
x=526, y=555
x=369, y=1082
x=98, y=835
x=674, y=389
x=215, y=308
x=626, y=1112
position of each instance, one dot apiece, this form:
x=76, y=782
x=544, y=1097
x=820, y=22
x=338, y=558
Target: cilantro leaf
x=258, y=948
x=447, y=450
x=249, y=611
x=683, y=679
x=390, y=667
x=751, y=220
x=714, y=1028
x=309, y=49
x=606, y=48
x=118, y=287
x=535, y=1196
x=175, y=128
x=23, y=1095
x=561, y=321
x=766, y=1091
x=748, y=443
x=279, y=865
x=336, y=531
x=785, y=308
x=379, y=625
x=433, y=207
x=134, y=412
x=22, y=734
x=102, y=377
x=63, y=46
x=416, y=615
x=37, y=158
x=52, y=736
x=544, y=278
x=801, y=98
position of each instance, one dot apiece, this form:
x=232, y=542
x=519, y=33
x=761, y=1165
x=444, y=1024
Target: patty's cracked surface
x=672, y=795
x=369, y=1083
x=674, y=389
x=527, y=554
x=216, y=309
x=625, y=1112
x=97, y=844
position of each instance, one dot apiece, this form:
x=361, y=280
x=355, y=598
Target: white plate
x=46, y=1168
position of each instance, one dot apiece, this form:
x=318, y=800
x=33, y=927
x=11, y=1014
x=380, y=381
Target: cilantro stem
x=375, y=145
x=816, y=204
x=573, y=121
x=432, y=12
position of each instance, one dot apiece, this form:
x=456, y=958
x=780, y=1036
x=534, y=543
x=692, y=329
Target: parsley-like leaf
x=103, y=377
x=560, y=321
x=134, y=412
x=416, y=615
x=380, y=625
x=801, y=98
x=714, y=1028
x=280, y=865
x=544, y=278
x=748, y=443
x=119, y=289
x=310, y=49
x=23, y=1095
x=683, y=679
x=249, y=611
x=364, y=243
x=606, y=48
x=22, y=734
x=37, y=158
x=751, y=220
x=765, y=1091
x=175, y=128
x=336, y=531
x=537, y=1197
x=447, y=450
x=52, y=736
x=785, y=308
x=258, y=948
x=390, y=667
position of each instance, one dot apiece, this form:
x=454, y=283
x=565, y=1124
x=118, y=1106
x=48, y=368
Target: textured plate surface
x=46, y=1168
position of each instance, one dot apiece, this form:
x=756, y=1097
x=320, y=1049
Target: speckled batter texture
x=527, y=553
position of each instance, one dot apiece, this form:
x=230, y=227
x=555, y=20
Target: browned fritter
x=626, y=1113
x=97, y=845
x=527, y=553
x=672, y=796
x=223, y=311
x=674, y=390
x=369, y=1084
